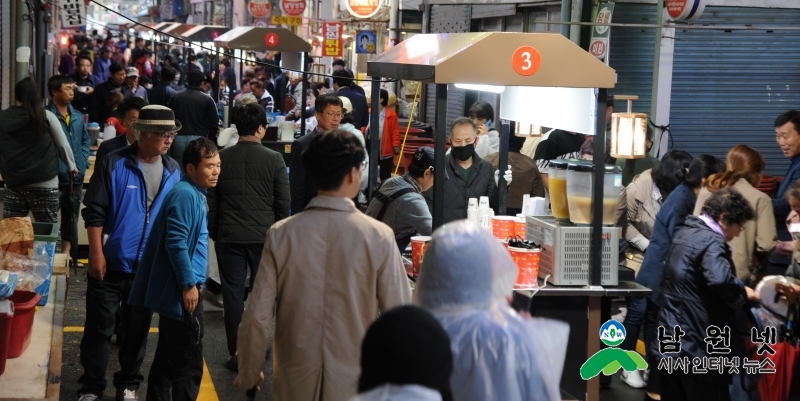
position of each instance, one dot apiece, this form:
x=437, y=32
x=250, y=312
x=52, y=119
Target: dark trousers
x=386, y=168
x=651, y=345
x=70, y=205
x=178, y=363
x=679, y=386
x=234, y=262
x=102, y=301
x=634, y=319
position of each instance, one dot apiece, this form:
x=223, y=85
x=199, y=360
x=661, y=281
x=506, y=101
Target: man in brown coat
x=324, y=276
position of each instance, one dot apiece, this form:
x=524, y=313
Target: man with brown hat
x=124, y=195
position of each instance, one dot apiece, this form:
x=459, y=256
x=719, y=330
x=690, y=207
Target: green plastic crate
x=47, y=232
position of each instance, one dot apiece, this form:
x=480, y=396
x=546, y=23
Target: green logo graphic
x=609, y=360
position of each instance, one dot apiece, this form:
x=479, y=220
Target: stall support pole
x=375, y=141
x=599, y=151
x=439, y=155
x=303, y=95
x=502, y=187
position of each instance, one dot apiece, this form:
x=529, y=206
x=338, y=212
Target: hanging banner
x=293, y=8
x=73, y=13
x=363, y=8
x=259, y=8
x=332, y=32
x=365, y=42
x=598, y=46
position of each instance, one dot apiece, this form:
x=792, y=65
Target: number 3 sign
x=526, y=61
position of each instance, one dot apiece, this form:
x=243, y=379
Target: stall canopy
x=162, y=25
x=452, y=58
x=177, y=29
x=204, y=33
x=262, y=39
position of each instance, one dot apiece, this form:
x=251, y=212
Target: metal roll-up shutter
x=449, y=19
x=631, y=53
x=729, y=86
x=493, y=10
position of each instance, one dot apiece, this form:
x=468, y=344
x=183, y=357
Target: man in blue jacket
x=127, y=190
x=172, y=270
x=62, y=91
x=787, y=134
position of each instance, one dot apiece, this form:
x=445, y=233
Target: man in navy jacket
x=787, y=133
x=126, y=192
x=341, y=83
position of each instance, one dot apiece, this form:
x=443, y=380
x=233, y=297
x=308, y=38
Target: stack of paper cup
x=483, y=203
x=472, y=211
x=287, y=131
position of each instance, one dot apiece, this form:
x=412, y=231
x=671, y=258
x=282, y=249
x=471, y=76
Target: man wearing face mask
x=467, y=175
x=399, y=202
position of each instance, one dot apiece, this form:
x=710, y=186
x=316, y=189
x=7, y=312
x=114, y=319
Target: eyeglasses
x=335, y=116
x=164, y=135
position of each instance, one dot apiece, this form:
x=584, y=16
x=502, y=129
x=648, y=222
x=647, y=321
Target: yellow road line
x=207, y=390
x=79, y=329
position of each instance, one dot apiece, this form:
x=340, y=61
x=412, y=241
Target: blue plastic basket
x=45, y=236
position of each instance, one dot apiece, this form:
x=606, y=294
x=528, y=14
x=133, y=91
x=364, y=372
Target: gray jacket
x=406, y=215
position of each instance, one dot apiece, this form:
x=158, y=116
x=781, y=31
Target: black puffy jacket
x=699, y=288
x=251, y=195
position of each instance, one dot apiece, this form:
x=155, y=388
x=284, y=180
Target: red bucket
x=519, y=227
x=503, y=227
x=527, y=261
x=418, y=246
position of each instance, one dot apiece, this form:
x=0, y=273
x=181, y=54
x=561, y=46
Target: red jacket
x=391, y=133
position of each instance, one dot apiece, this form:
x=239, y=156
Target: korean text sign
x=73, y=13
x=332, y=33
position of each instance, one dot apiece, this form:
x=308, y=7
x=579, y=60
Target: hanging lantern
x=318, y=71
x=628, y=132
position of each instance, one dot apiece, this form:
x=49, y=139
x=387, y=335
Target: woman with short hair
x=699, y=290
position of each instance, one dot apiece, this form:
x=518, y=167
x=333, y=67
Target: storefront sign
x=332, y=32
x=260, y=24
x=526, y=61
x=365, y=42
x=685, y=10
x=259, y=8
x=598, y=46
x=293, y=8
x=284, y=20
x=73, y=13
x=363, y=8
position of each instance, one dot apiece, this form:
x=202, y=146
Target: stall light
x=482, y=88
x=318, y=69
x=64, y=40
x=171, y=39
x=628, y=132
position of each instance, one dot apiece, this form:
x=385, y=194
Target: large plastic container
x=45, y=236
x=6, y=315
x=579, y=192
x=22, y=323
x=557, y=179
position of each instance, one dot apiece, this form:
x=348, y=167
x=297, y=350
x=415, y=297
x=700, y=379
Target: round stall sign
x=526, y=61
x=293, y=8
x=271, y=39
x=677, y=8
x=363, y=8
x=260, y=24
x=215, y=34
x=259, y=8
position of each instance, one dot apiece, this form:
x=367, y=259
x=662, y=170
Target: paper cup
x=473, y=203
x=503, y=226
x=82, y=89
x=527, y=261
x=418, y=246
x=519, y=227
x=483, y=203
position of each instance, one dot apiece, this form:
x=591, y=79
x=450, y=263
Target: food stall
x=248, y=38
x=202, y=36
x=545, y=80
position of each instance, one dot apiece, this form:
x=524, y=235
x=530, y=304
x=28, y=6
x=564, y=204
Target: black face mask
x=463, y=153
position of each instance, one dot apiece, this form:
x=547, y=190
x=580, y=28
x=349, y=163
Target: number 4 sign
x=526, y=61
x=271, y=39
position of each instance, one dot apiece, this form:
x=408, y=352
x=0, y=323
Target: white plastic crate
x=566, y=251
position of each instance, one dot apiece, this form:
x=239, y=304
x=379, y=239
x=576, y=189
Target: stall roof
x=256, y=38
x=162, y=25
x=204, y=33
x=177, y=28
x=489, y=58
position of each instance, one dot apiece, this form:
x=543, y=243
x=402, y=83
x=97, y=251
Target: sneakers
x=633, y=379
x=232, y=364
x=88, y=397
x=213, y=299
x=126, y=395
